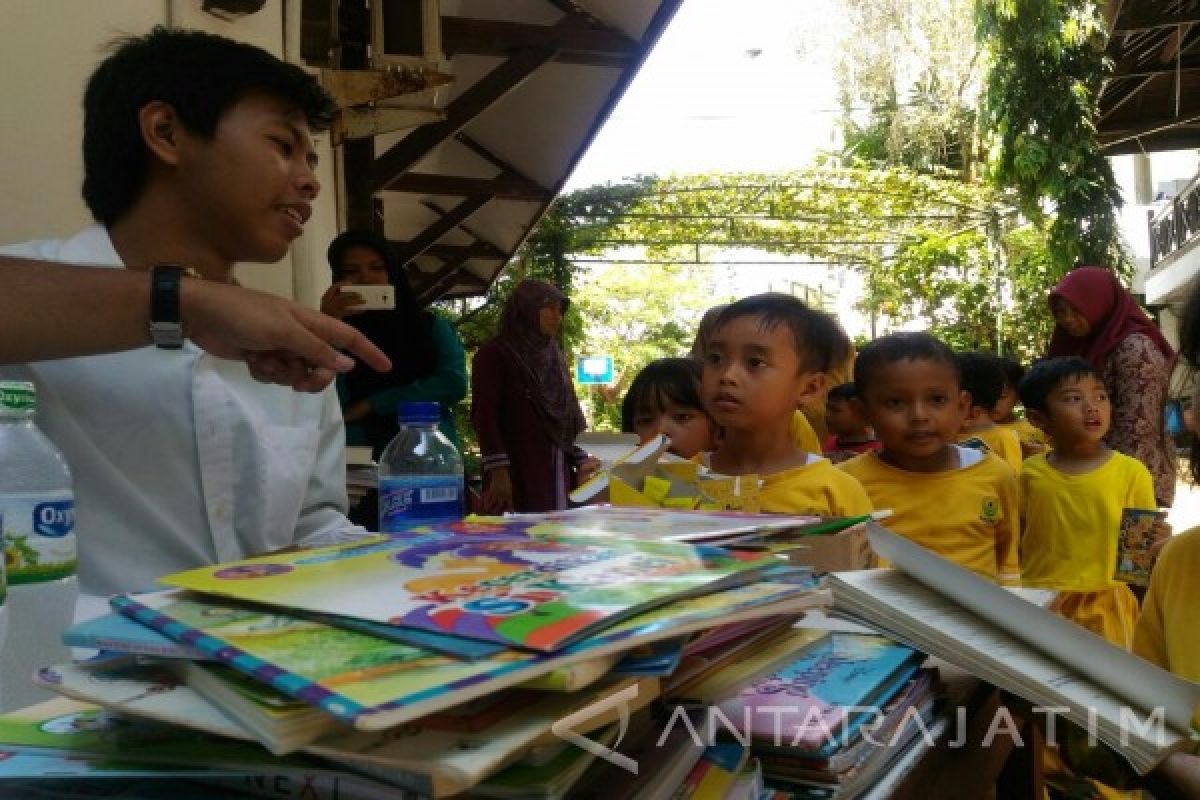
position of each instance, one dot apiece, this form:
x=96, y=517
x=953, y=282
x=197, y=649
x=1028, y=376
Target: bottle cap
x=19, y=397
x=419, y=412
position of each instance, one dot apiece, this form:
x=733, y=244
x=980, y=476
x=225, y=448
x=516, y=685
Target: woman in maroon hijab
x=524, y=408
x=1097, y=319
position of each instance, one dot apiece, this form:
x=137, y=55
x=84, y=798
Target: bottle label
x=408, y=500
x=39, y=536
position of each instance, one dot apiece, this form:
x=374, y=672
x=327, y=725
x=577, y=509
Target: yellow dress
x=1001, y=441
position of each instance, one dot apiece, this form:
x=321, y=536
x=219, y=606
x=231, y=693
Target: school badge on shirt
x=989, y=510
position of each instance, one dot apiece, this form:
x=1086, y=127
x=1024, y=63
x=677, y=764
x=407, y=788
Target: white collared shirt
x=181, y=459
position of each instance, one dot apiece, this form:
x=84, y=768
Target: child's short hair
x=820, y=341
x=666, y=379
x=1047, y=375
x=895, y=347
x=200, y=75
x=843, y=391
x=982, y=377
x=1013, y=371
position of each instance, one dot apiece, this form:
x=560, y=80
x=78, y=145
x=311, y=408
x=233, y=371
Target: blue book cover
x=807, y=705
x=118, y=633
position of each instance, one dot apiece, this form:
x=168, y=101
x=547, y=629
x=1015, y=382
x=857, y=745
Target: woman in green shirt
x=428, y=362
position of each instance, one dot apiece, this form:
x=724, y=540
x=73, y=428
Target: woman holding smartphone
x=428, y=362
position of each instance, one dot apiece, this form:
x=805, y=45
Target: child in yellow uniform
x=1072, y=498
x=765, y=356
x=1071, y=504
x=958, y=502
x=983, y=380
x=1033, y=441
x=665, y=398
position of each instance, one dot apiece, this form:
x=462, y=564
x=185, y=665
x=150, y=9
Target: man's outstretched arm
x=50, y=310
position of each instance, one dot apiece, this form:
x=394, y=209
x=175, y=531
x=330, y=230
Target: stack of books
x=492, y=655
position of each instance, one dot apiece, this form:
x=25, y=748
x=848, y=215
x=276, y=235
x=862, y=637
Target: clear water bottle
x=38, y=507
x=420, y=473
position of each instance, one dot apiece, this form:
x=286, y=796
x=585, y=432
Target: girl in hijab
x=428, y=362
x=524, y=408
x=1097, y=319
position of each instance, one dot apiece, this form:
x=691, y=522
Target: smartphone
x=375, y=297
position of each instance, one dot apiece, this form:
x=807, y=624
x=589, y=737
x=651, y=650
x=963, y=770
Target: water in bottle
x=38, y=509
x=420, y=473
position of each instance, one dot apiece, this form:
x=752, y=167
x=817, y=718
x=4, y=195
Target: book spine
x=216, y=649
x=134, y=648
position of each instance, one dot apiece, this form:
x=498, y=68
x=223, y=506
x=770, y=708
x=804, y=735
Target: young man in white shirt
x=197, y=151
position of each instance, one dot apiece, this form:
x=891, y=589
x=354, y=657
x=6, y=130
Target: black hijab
x=404, y=334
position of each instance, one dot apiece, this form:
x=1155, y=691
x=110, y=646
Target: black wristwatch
x=166, y=320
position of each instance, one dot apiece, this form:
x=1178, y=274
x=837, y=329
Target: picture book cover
x=1141, y=528
x=661, y=524
x=118, y=633
x=539, y=592
x=373, y=683
x=804, y=703
x=25, y=766
x=65, y=726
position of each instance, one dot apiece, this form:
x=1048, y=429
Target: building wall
x=50, y=48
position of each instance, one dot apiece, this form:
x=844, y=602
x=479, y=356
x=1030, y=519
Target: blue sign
x=594, y=370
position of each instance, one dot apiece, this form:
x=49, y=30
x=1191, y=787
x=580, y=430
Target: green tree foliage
x=908, y=78
x=1045, y=69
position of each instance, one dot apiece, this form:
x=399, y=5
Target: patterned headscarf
x=542, y=360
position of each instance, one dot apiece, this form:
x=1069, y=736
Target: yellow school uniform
x=1071, y=524
x=1001, y=441
x=1027, y=432
x=815, y=488
x=803, y=435
x=1166, y=631
x=966, y=515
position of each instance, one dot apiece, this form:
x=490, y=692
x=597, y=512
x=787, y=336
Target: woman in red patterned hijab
x=1097, y=318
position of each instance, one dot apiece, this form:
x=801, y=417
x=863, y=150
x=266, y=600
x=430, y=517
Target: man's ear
x=160, y=128
x=810, y=388
x=1037, y=419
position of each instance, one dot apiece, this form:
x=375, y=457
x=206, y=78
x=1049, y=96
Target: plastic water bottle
x=420, y=473
x=38, y=507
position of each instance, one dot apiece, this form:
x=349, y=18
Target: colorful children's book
x=715, y=773
x=549, y=781
x=66, y=726
x=805, y=704
x=429, y=760
x=538, y=592
x=661, y=524
x=748, y=664
x=281, y=723
x=372, y=684
x=1139, y=533
x=118, y=633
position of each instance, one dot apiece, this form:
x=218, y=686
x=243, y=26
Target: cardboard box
x=845, y=550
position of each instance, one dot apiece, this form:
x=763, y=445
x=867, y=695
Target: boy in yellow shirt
x=1033, y=441
x=765, y=356
x=958, y=502
x=1073, y=496
x=983, y=380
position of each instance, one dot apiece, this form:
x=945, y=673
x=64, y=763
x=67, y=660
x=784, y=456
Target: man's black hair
x=676, y=380
x=200, y=75
x=1013, y=370
x=982, y=377
x=1047, y=375
x=896, y=347
x=820, y=342
x=843, y=392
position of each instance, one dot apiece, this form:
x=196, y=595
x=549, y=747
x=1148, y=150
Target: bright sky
x=732, y=85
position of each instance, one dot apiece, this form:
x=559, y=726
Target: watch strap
x=166, y=317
